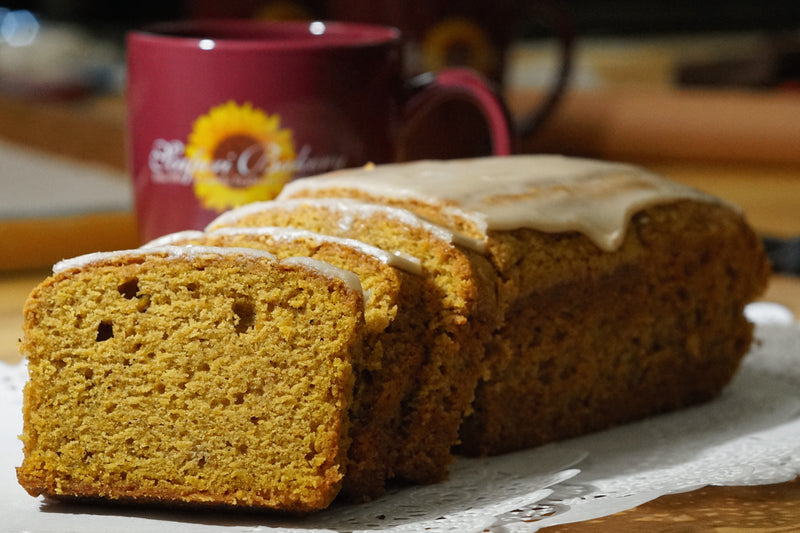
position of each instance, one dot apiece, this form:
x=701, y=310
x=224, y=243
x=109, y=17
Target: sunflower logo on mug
x=239, y=154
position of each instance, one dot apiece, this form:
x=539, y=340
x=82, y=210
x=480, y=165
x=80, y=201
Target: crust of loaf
x=662, y=326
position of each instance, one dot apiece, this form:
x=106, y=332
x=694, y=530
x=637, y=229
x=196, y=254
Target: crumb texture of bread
x=216, y=380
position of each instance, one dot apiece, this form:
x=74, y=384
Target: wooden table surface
x=769, y=192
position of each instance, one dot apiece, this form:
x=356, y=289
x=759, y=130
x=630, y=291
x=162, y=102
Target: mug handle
x=553, y=15
x=473, y=104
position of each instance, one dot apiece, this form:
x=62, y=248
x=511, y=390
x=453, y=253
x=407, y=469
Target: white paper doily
x=750, y=435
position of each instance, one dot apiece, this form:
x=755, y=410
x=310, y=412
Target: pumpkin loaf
x=554, y=296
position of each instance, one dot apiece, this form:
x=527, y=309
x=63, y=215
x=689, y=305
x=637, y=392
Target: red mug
x=225, y=112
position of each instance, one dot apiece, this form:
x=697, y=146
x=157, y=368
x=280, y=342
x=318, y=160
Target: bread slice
x=203, y=375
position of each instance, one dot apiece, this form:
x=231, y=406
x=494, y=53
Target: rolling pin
x=707, y=125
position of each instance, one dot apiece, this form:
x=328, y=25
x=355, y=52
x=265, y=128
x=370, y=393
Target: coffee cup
x=225, y=112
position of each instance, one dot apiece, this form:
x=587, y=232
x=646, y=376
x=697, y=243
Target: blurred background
x=65, y=48
x=707, y=92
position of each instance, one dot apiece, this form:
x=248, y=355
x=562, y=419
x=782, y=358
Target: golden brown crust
x=596, y=339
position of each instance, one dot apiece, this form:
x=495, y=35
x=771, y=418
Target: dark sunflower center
x=239, y=160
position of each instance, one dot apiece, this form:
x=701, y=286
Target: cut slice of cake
x=461, y=291
x=202, y=375
x=622, y=293
x=398, y=312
